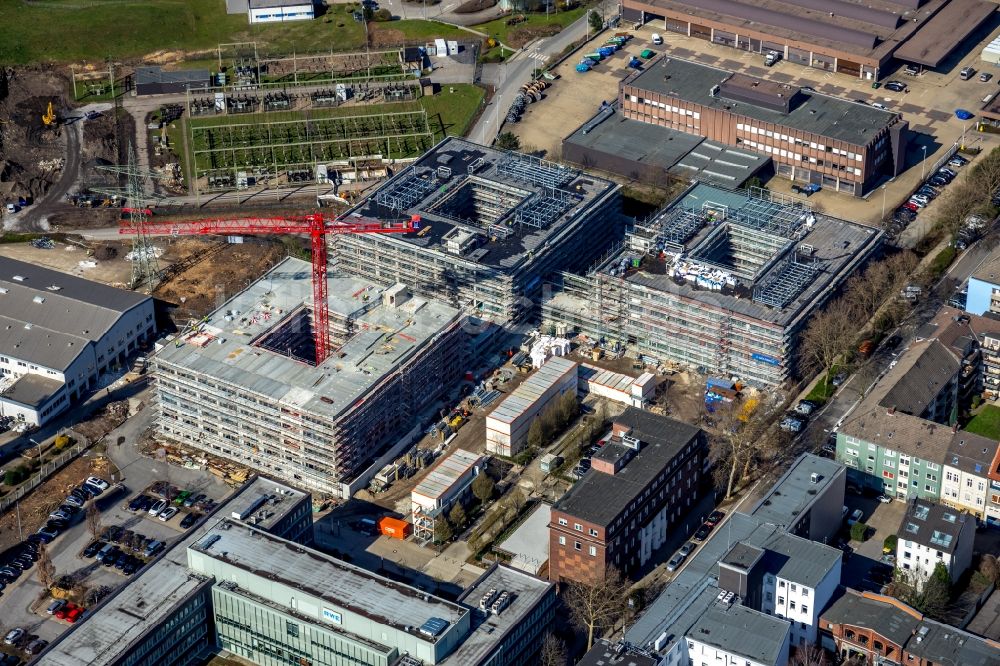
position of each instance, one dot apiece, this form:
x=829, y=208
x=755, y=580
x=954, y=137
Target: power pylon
x=138, y=196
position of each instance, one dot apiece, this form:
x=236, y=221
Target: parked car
x=805, y=407
x=880, y=106
x=885, y=499
x=657, y=39
x=855, y=517
x=967, y=73
x=687, y=548
x=675, y=562
x=131, y=566
x=791, y=424
x=909, y=205
x=937, y=181
x=136, y=502
x=194, y=499
x=917, y=202
x=47, y=532
x=957, y=161
x=168, y=513
x=92, y=550
x=985, y=76
x=896, y=86
x=715, y=518
x=702, y=533
x=55, y=606
x=159, y=506
x=62, y=612
x=188, y=520
x=74, y=615
x=98, y=482
x=36, y=646
x=14, y=636
x=153, y=548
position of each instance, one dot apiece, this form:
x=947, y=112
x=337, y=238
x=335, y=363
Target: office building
x=60, y=334
x=233, y=586
x=859, y=41
x=719, y=280
x=494, y=225
x=932, y=534
x=243, y=383
x=640, y=488
x=871, y=629
x=814, y=138
x=806, y=501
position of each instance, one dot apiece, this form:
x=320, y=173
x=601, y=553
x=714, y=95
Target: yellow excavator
x=50, y=116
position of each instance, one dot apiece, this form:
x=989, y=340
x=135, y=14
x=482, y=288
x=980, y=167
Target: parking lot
x=862, y=567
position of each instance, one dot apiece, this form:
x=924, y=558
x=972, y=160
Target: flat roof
x=682, y=154
x=348, y=586
x=811, y=111
x=30, y=390
x=148, y=597
x=986, y=622
x=439, y=481
x=488, y=632
x=600, y=497
x=433, y=187
x=872, y=30
x=49, y=318
x=528, y=545
x=267, y=502
x=944, y=32
x=384, y=339
x=531, y=390
x=836, y=246
x=794, y=492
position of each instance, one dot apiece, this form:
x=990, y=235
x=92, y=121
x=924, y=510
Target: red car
x=912, y=206
x=715, y=518
x=66, y=610
x=74, y=615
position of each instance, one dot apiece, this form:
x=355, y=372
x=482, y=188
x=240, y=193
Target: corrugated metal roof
x=451, y=468
x=525, y=395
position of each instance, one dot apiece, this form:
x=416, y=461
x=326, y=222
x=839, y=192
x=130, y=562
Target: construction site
x=721, y=281
x=244, y=383
x=493, y=225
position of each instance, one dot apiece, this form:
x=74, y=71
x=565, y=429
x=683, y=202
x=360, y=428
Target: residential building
x=508, y=424
x=836, y=143
x=60, y=335
x=984, y=288
x=975, y=340
x=993, y=495
x=719, y=280
x=806, y=501
x=244, y=383
x=932, y=534
x=494, y=225
x=856, y=41
x=447, y=482
x=617, y=654
x=739, y=586
x=966, y=468
x=640, y=487
x=269, y=600
x=877, y=630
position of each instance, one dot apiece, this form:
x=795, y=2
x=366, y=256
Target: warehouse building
x=720, y=280
x=640, y=488
x=447, y=483
x=508, y=424
x=494, y=226
x=243, y=383
x=814, y=138
x=857, y=40
x=60, y=333
x=240, y=586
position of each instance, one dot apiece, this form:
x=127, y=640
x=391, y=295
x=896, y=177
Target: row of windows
x=750, y=129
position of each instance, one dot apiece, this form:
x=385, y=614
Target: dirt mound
x=166, y=57
x=518, y=37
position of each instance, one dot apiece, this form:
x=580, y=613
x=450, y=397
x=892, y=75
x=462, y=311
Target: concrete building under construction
x=719, y=280
x=494, y=226
x=242, y=384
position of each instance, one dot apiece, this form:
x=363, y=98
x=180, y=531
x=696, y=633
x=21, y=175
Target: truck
x=771, y=58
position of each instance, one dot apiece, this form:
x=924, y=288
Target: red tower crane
x=315, y=225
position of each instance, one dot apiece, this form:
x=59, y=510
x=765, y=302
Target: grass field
x=451, y=113
x=986, y=422
x=499, y=29
x=92, y=30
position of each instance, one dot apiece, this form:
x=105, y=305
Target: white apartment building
x=58, y=334
x=966, y=484
x=729, y=634
x=931, y=533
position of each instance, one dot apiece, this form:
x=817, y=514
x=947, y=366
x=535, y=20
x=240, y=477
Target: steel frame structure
x=316, y=226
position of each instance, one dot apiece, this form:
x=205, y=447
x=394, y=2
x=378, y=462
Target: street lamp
x=39, y=447
x=883, y=202
x=923, y=163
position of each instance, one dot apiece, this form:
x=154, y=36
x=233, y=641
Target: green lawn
x=499, y=29
x=986, y=422
x=452, y=112
x=415, y=29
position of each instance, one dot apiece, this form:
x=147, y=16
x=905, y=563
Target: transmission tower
x=137, y=196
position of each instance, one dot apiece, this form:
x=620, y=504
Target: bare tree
x=829, y=335
x=866, y=291
x=598, y=604
x=989, y=567
x=44, y=569
x=812, y=655
x=553, y=651
x=94, y=521
x=744, y=434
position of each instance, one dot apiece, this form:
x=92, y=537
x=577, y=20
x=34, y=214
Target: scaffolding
x=541, y=210
x=786, y=282
x=408, y=190
x=528, y=169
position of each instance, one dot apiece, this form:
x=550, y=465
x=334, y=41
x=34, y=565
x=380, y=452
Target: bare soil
x=518, y=37
x=208, y=271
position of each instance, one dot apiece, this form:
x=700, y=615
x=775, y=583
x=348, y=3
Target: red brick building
x=641, y=485
x=879, y=630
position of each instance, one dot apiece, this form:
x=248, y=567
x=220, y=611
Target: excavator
x=50, y=116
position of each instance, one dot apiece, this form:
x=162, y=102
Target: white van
x=657, y=39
